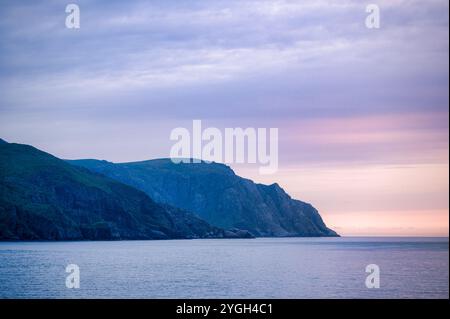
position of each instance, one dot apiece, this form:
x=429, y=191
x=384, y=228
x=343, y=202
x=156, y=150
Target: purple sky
x=352, y=104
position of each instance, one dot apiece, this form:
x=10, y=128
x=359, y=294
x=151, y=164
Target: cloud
x=362, y=114
x=259, y=63
x=152, y=45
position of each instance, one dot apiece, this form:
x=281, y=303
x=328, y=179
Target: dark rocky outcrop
x=216, y=194
x=45, y=198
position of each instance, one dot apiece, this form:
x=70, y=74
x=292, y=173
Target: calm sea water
x=250, y=268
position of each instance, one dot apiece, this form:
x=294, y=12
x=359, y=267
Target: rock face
x=45, y=198
x=216, y=194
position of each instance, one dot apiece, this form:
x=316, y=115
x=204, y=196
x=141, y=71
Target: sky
x=362, y=113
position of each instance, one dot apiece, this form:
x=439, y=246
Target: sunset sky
x=362, y=113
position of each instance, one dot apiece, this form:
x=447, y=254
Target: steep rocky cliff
x=45, y=198
x=216, y=194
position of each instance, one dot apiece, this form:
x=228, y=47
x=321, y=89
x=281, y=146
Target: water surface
x=227, y=268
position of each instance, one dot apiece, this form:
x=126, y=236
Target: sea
x=344, y=267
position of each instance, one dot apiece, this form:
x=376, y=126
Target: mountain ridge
x=45, y=198
x=215, y=193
